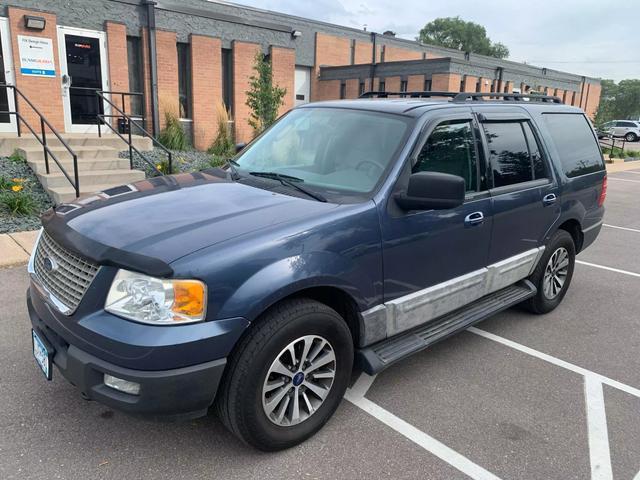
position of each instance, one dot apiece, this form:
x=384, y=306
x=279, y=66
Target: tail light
x=603, y=192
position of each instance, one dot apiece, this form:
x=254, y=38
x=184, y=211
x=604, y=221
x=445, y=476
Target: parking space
x=518, y=397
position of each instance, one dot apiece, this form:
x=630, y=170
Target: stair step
x=381, y=355
x=95, y=177
x=10, y=142
x=33, y=154
x=68, y=194
x=84, y=165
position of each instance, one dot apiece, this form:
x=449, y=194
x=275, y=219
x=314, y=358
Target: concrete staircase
x=99, y=166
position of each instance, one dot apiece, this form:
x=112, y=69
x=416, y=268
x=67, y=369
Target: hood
x=169, y=217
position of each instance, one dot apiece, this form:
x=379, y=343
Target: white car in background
x=627, y=129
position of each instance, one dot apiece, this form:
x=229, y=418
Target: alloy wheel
x=299, y=380
x=555, y=273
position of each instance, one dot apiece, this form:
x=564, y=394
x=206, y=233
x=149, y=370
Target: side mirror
x=432, y=191
x=240, y=146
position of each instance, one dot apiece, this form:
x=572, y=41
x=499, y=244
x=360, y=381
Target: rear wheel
x=631, y=137
x=287, y=376
x=553, y=273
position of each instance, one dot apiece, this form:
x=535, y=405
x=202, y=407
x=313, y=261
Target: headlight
x=156, y=300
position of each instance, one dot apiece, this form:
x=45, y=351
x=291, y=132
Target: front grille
x=70, y=276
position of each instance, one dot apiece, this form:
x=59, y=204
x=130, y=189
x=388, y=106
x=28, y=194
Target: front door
x=83, y=66
x=434, y=260
x=7, y=122
x=302, y=85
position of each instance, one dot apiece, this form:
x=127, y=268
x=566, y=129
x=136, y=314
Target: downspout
x=153, y=64
x=373, y=59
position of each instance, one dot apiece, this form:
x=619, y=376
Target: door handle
x=549, y=199
x=475, y=218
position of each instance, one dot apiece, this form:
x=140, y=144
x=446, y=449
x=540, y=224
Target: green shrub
x=218, y=161
x=173, y=135
x=18, y=203
x=263, y=97
x=633, y=153
x=223, y=145
x=5, y=184
x=17, y=157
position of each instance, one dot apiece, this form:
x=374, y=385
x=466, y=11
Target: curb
x=15, y=248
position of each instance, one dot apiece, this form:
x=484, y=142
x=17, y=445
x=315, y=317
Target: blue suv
x=350, y=231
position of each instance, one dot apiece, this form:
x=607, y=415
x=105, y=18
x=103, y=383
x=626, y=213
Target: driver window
x=451, y=149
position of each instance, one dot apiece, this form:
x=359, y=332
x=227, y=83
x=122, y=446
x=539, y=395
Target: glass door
x=7, y=122
x=83, y=73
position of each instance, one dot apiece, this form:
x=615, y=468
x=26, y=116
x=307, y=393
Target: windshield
x=333, y=149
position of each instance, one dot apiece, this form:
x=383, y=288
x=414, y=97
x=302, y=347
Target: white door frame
x=69, y=126
x=9, y=74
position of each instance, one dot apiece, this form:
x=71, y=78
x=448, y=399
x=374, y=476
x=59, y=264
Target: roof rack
x=461, y=97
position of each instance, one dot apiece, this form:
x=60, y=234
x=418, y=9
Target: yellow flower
x=16, y=188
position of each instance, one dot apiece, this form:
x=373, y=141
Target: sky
x=597, y=38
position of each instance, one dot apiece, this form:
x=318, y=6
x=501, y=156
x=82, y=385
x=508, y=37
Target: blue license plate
x=42, y=355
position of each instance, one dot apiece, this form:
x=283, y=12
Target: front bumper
x=185, y=392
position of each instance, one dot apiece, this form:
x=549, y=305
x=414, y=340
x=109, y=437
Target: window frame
x=187, y=81
x=482, y=187
x=504, y=117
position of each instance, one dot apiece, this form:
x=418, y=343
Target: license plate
x=42, y=355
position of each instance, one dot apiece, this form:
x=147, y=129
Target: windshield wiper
x=232, y=164
x=290, y=181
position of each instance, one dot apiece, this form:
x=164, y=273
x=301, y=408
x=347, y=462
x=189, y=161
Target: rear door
x=523, y=189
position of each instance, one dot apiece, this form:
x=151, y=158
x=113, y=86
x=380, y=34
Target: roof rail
x=507, y=97
x=461, y=97
x=407, y=94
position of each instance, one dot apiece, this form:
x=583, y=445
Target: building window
x=427, y=84
x=227, y=80
x=479, y=85
x=343, y=90
x=403, y=85
x=463, y=80
x=573, y=98
x=493, y=86
x=184, y=79
x=353, y=52
x=361, y=88
x=381, y=86
x=136, y=79
x=382, y=53
x=506, y=87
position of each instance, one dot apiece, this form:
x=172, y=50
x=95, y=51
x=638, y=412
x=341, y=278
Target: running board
x=377, y=357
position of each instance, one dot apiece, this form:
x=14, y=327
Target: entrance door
x=302, y=85
x=83, y=66
x=7, y=122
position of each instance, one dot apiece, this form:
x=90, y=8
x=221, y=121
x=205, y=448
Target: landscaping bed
x=22, y=198
x=183, y=161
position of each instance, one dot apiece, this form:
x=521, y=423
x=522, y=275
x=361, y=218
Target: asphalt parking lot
x=518, y=397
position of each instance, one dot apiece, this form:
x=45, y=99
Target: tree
x=453, y=32
x=263, y=98
x=619, y=101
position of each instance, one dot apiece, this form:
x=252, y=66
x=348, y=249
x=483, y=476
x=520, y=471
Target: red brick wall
x=167, y=73
x=352, y=88
x=392, y=84
x=327, y=90
x=44, y=92
x=206, y=83
x=485, y=85
x=470, y=83
x=118, y=65
x=146, y=84
x=243, y=57
x=363, y=52
x=415, y=83
x=395, y=54
x=448, y=82
x=591, y=102
x=330, y=51
x=283, y=64
x=509, y=87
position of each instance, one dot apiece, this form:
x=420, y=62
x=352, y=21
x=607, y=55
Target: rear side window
x=508, y=153
x=575, y=143
x=451, y=149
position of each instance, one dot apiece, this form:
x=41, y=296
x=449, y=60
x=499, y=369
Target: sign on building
x=36, y=56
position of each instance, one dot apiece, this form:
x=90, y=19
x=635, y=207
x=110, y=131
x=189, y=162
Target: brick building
x=190, y=55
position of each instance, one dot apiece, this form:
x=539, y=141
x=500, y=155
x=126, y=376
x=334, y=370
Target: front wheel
x=287, y=376
x=553, y=273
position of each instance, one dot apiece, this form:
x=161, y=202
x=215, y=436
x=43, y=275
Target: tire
x=631, y=137
x=545, y=300
x=242, y=403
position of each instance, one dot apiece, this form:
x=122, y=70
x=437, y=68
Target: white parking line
x=623, y=179
x=611, y=269
x=621, y=228
x=599, y=451
x=439, y=449
x=629, y=171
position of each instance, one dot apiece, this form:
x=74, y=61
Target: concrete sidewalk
x=15, y=248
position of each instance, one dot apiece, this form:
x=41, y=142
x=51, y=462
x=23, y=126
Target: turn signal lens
x=188, y=299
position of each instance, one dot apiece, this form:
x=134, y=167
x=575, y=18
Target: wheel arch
x=574, y=228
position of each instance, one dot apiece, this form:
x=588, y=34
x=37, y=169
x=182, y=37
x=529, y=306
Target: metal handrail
x=130, y=121
x=75, y=183
x=612, y=146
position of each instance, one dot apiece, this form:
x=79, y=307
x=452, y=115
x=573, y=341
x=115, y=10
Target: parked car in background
x=350, y=231
x=627, y=129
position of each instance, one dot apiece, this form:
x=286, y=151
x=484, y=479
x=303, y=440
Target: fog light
x=132, y=388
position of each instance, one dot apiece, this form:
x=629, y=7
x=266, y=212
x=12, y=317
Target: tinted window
x=627, y=124
x=575, y=143
x=508, y=153
x=539, y=167
x=451, y=149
